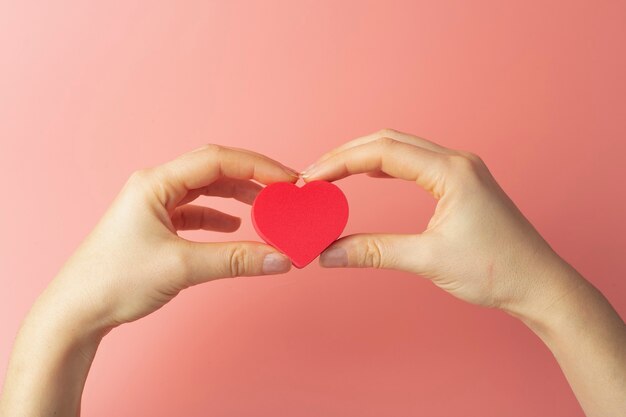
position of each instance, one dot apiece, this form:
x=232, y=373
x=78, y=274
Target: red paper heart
x=300, y=222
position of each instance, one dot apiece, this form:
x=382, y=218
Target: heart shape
x=300, y=221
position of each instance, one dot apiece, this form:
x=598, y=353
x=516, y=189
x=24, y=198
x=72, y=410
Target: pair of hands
x=477, y=246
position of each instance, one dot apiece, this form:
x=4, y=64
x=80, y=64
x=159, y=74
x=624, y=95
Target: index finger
x=397, y=159
x=203, y=166
x=388, y=133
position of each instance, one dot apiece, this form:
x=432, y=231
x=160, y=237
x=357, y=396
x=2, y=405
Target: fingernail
x=334, y=257
x=275, y=263
x=309, y=170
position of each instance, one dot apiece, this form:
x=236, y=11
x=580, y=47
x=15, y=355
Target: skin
x=480, y=248
x=131, y=264
x=477, y=246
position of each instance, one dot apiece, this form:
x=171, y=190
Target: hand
x=134, y=262
x=480, y=248
x=477, y=245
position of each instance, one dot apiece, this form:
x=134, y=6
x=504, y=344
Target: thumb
x=207, y=261
x=389, y=251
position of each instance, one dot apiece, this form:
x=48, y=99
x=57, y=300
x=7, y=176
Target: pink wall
x=90, y=91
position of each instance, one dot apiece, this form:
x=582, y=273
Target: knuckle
x=373, y=254
x=210, y=147
x=476, y=159
x=466, y=164
x=386, y=142
x=213, y=148
x=164, y=184
x=140, y=181
x=237, y=261
x=387, y=132
x=140, y=176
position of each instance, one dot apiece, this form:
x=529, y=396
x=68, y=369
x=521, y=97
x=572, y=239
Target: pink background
x=90, y=91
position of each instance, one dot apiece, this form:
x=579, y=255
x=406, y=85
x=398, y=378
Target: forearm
x=51, y=358
x=587, y=338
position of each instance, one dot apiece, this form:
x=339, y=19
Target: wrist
x=586, y=336
x=68, y=315
x=51, y=357
x=553, y=295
